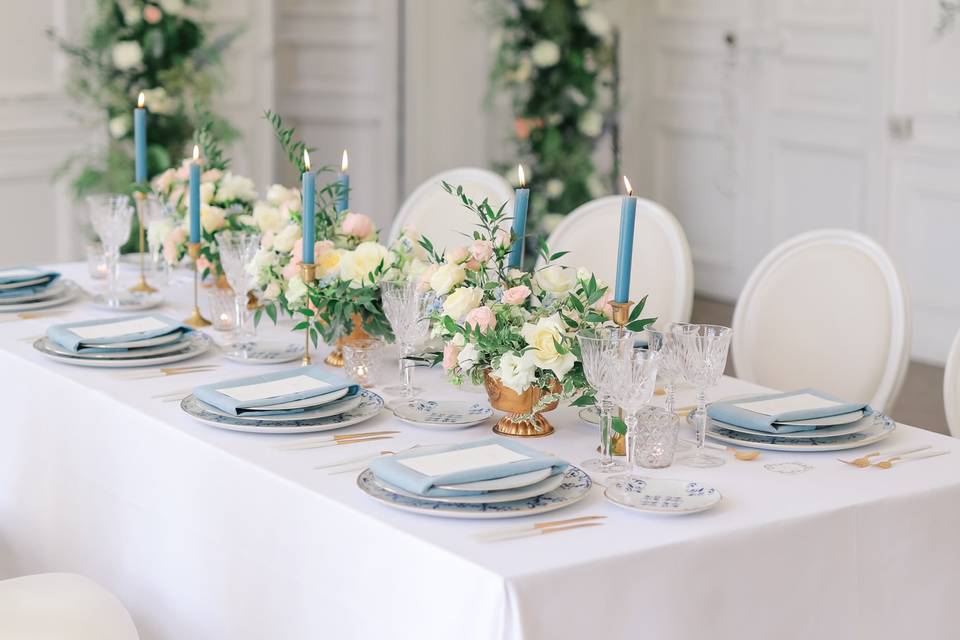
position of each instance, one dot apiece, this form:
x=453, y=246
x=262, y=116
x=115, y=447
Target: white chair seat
x=951, y=388
x=662, y=268
x=61, y=606
x=440, y=217
x=825, y=309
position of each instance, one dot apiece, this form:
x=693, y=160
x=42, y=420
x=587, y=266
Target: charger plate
x=882, y=427
x=194, y=345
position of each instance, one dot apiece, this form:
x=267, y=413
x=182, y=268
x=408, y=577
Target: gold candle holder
x=621, y=316
x=141, y=286
x=196, y=319
x=308, y=273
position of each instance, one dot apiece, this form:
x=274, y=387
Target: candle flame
x=522, y=178
x=196, y=153
x=306, y=159
x=626, y=184
x=344, y=162
x=141, y=101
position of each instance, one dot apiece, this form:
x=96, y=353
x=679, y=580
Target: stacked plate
x=435, y=481
x=128, y=342
x=30, y=289
x=302, y=400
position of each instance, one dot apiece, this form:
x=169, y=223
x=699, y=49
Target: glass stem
x=405, y=373
x=630, y=419
x=112, y=258
x=670, y=399
x=701, y=418
x=240, y=302
x=606, y=431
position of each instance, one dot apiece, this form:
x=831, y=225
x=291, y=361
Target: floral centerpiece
x=511, y=330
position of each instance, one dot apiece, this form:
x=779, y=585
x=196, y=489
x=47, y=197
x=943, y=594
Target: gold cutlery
x=33, y=315
x=537, y=527
x=174, y=371
x=864, y=461
x=325, y=440
x=334, y=443
x=540, y=532
x=888, y=463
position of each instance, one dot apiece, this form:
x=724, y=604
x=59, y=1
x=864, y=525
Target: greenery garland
x=557, y=60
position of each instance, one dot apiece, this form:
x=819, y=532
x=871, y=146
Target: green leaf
x=618, y=425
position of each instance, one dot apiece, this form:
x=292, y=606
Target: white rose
x=173, y=7
x=157, y=230
x=284, y=241
x=277, y=194
x=462, y=301
x=207, y=190
x=272, y=291
x=468, y=358
x=543, y=337
x=590, y=123
x=268, y=218
x=447, y=277
x=260, y=266
x=596, y=23
x=356, y=265
x=545, y=53
x=126, y=54
x=556, y=280
x=157, y=100
x=212, y=218
x=516, y=373
x=119, y=126
x=296, y=289
x=554, y=188
x=234, y=187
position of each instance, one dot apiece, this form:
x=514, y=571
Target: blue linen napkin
x=12, y=275
x=213, y=394
x=731, y=414
x=64, y=335
x=392, y=470
x=26, y=291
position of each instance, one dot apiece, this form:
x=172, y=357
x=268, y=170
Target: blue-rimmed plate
x=442, y=414
x=880, y=427
x=128, y=301
x=264, y=352
x=368, y=407
x=333, y=408
x=491, y=497
x=193, y=345
x=661, y=496
x=574, y=486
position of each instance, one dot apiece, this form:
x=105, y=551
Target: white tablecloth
x=210, y=534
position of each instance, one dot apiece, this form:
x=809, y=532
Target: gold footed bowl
x=335, y=357
x=519, y=404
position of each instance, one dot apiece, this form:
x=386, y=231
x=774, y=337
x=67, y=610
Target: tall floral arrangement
x=557, y=61
x=160, y=47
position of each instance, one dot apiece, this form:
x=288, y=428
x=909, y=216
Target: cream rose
x=268, y=218
x=556, y=280
x=126, y=54
x=296, y=290
x=545, y=53
x=356, y=265
x=543, y=338
x=234, y=187
x=286, y=238
x=446, y=277
x=462, y=301
x=212, y=218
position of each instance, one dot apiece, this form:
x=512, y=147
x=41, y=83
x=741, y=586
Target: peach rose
x=423, y=282
x=456, y=255
x=472, y=265
x=603, y=304
x=516, y=295
x=152, y=14
x=481, y=250
x=171, y=242
x=357, y=225
x=482, y=318
x=450, y=354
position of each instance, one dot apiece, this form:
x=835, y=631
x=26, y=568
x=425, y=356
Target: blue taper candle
x=140, y=141
x=519, y=228
x=628, y=214
x=195, y=196
x=309, y=185
x=343, y=193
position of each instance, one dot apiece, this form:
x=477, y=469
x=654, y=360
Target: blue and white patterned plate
x=442, y=414
x=662, y=496
x=129, y=301
x=333, y=408
x=575, y=485
x=194, y=344
x=264, y=352
x=368, y=407
x=880, y=427
x=67, y=294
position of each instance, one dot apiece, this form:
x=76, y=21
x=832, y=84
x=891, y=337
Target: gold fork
x=174, y=371
x=33, y=315
x=862, y=461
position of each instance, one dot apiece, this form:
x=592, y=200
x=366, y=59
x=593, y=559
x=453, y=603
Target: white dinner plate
x=54, y=290
x=314, y=402
x=575, y=485
x=70, y=292
x=661, y=496
x=196, y=344
x=369, y=407
x=500, y=484
x=129, y=301
x=490, y=497
x=882, y=427
x=265, y=352
x=132, y=354
x=442, y=414
x=331, y=409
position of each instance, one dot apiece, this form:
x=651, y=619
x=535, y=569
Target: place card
x=438, y=464
x=122, y=328
x=274, y=388
x=787, y=404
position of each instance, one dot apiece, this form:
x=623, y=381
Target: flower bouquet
x=510, y=330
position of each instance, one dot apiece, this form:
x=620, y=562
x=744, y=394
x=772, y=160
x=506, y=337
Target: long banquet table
x=209, y=534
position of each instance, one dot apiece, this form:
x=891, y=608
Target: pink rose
x=152, y=14
x=502, y=237
x=171, y=242
x=423, y=282
x=266, y=241
x=481, y=250
x=516, y=295
x=473, y=265
x=322, y=246
x=202, y=264
x=603, y=304
x=450, y=354
x=481, y=317
x=357, y=225
x=456, y=255
x=296, y=259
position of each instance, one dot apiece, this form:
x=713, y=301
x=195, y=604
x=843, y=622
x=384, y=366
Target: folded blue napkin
x=25, y=291
x=240, y=397
x=729, y=413
x=74, y=336
x=13, y=275
x=392, y=469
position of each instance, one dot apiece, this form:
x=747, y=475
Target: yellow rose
x=356, y=265
x=328, y=263
x=446, y=277
x=542, y=337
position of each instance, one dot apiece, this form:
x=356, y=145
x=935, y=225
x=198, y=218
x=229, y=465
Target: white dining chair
x=662, y=268
x=440, y=217
x=951, y=387
x=825, y=309
x=61, y=606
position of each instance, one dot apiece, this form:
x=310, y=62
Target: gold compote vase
x=520, y=421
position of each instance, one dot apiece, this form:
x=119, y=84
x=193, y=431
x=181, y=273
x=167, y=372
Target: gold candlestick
x=196, y=319
x=142, y=286
x=308, y=273
x=621, y=317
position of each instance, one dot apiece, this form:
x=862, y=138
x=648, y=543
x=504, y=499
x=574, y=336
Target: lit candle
x=195, y=196
x=519, y=220
x=628, y=214
x=140, y=140
x=343, y=193
x=309, y=220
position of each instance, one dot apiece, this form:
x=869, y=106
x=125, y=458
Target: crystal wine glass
x=636, y=378
x=703, y=356
x=237, y=249
x=110, y=216
x=154, y=213
x=599, y=348
x=407, y=309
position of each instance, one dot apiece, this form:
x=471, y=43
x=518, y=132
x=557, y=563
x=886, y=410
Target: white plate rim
x=150, y=301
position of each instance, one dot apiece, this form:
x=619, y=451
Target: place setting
x=25, y=290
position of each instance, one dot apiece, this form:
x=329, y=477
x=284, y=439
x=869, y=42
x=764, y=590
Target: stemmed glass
x=702, y=349
x=237, y=249
x=407, y=310
x=599, y=350
x=110, y=216
x=154, y=212
x=636, y=378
